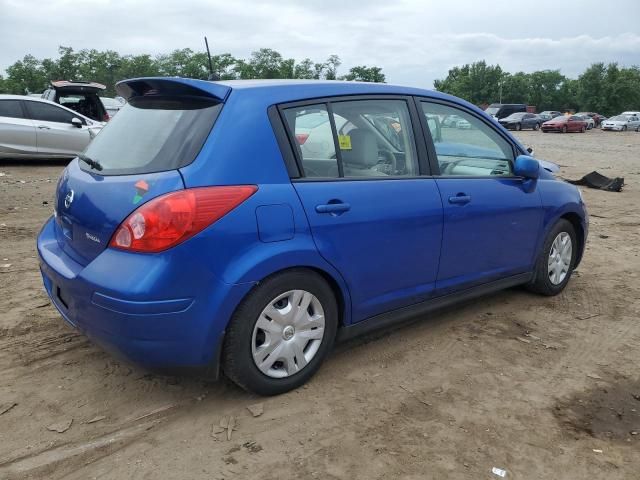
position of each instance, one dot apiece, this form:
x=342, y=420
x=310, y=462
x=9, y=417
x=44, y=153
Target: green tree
x=26, y=76
x=365, y=74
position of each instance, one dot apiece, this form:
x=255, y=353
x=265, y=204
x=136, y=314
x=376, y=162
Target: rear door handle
x=335, y=208
x=44, y=127
x=460, y=199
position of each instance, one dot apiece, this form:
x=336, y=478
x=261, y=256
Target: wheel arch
x=576, y=221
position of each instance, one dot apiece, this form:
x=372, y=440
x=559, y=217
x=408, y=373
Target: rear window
x=153, y=134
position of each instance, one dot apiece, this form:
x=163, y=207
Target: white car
x=622, y=123
x=590, y=122
x=36, y=128
x=112, y=105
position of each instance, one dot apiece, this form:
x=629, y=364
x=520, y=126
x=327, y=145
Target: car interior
x=87, y=104
x=371, y=140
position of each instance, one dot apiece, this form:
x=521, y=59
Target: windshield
x=516, y=115
x=492, y=110
x=619, y=118
x=153, y=134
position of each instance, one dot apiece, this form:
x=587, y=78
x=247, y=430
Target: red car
x=565, y=124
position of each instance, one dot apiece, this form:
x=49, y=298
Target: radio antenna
x=212, y=76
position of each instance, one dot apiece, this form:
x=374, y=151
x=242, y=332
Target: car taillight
x=302, y=137
x=171, y=219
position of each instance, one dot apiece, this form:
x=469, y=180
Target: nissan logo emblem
x=68, y=200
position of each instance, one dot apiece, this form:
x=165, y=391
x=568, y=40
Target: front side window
x=49, y=113
x=373, y=138
x=472, y=149
x=11, y=109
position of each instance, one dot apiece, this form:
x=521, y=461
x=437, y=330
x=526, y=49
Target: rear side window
x=11, y=109
x=49, y=113
x=154, y=134
x=360, y=138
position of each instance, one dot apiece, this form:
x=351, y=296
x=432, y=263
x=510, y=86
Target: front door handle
x=333, y=208
x=460, y=199
x=44, y=127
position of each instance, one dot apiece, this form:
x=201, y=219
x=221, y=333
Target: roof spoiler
x=175, y=86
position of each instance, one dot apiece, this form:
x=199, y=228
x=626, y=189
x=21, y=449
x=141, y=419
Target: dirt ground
x=544, y=388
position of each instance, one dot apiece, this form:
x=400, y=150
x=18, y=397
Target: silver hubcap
x=288, y=334
x=560, y=258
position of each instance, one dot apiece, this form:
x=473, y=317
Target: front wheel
x=536, y=126
x=518, y=126
x=555, y=264
x=280, y=333
x=583, y=129
x=564, y=129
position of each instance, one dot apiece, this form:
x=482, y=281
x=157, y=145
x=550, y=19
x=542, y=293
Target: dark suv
x=81, y=97
x=502, y=110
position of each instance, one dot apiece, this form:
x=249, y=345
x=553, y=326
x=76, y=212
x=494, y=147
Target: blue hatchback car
x=245, y=226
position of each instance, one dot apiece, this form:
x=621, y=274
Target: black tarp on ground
x=595, y=180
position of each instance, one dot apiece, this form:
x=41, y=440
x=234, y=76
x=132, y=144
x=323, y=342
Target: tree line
x=606, y=89
x=32, y=75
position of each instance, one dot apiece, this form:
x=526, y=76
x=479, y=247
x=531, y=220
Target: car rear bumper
x=148, y=325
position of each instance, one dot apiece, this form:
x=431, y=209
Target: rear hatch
x=66, y=87
x=134, y=158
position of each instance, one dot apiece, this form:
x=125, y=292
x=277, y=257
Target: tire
x=542, y=282
x=536, y=126
x=564, y=129
x=518, y=126
x=242, y=340
x=624, y=128
x=583, y=129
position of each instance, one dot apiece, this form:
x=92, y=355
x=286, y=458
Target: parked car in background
x=590, y=121
x=634, y=113
x=81, y=97
x=597, y=118
x=564, y=124
x=520, y=120
x=502, y=110
x=193, y=247
x=112, y=105
x=622, y=123
x=36, y=128
x=549, y=114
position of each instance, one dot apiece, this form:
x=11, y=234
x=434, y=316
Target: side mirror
x=76, y=122
x=526, y=167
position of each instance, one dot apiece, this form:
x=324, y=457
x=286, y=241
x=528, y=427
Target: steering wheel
x=387, y=162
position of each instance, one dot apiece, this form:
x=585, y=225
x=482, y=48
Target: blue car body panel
x=401, y=242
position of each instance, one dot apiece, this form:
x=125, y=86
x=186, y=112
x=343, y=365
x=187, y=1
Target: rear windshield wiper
x=90, y=161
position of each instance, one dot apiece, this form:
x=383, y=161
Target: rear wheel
x=555, y=264
x=536, y=126
x=280, y=333
x=583, y=129
x=518, y=126
x=564, y=129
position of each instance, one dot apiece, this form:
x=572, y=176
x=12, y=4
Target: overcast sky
x=413, y=41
